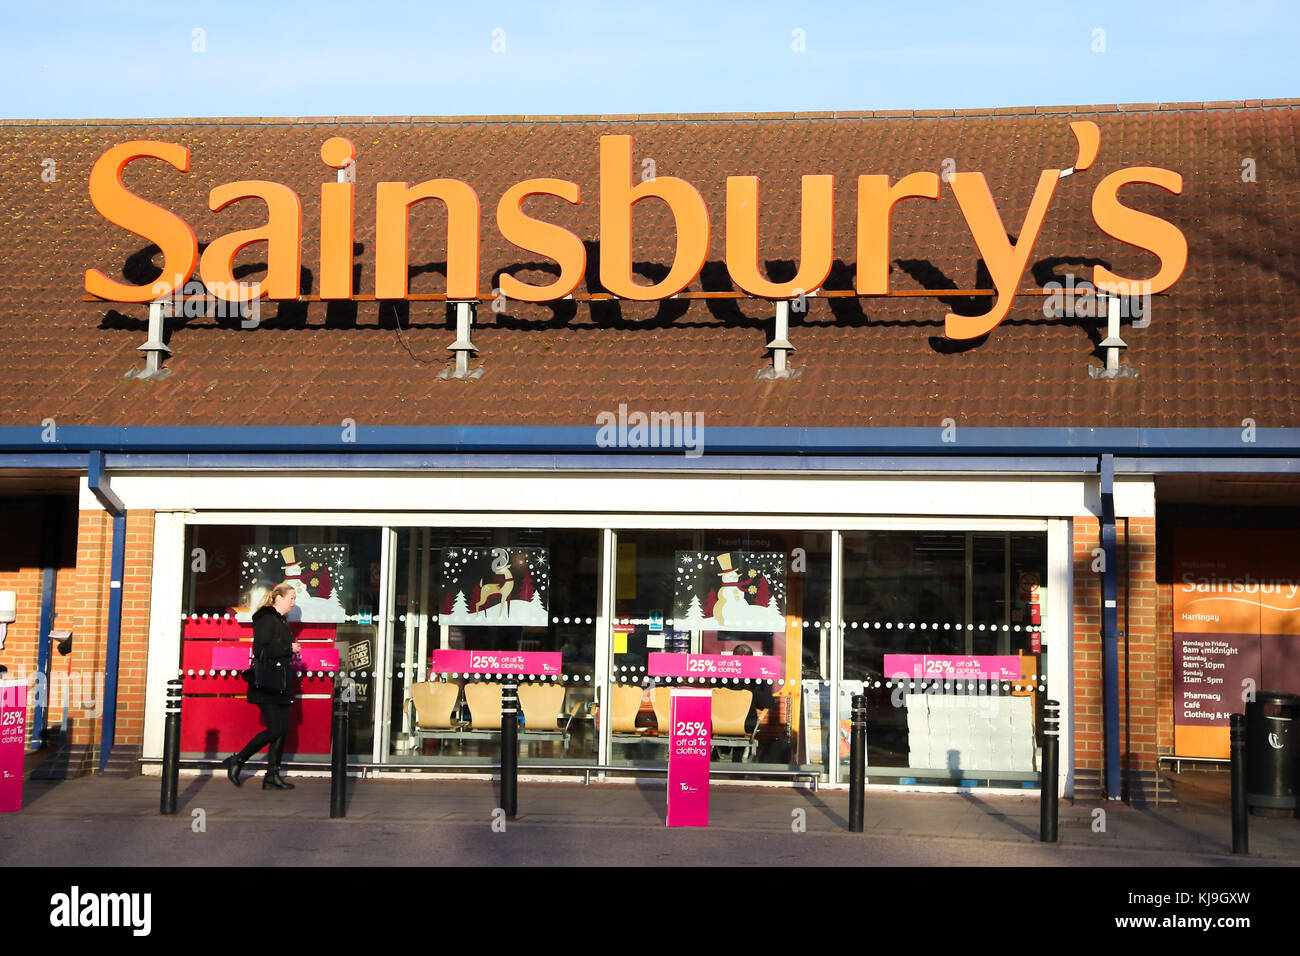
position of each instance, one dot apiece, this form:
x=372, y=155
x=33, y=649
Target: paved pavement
x=96, y=821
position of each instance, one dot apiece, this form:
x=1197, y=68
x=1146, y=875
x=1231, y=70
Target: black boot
x=273, y=780
x=233, y=765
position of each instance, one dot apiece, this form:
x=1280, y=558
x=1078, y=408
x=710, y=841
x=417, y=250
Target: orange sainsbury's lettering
x=815, y=243
x=543, y=238
x=619, y=194
x=336, y=206
x=617, y=198
x=392, y=206
x=282, y=235
x=1006, y=262
x=1140, y=229
x=121, y=207
x=876, y=199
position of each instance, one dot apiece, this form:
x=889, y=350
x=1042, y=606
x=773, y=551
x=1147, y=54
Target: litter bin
x=1272, y=752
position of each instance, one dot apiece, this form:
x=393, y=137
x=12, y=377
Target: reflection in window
x=943, y=634
x=744, y=603
x=521, y=591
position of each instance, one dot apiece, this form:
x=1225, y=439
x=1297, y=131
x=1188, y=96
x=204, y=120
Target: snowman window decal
x=318, y=573
x=730, y=591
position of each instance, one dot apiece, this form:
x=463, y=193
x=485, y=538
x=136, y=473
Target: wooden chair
x=663, y=701
x=627, y=701
x=484, y=700
x=730, y=708
x=431, y=706
x=543, y=709
x=623, y=730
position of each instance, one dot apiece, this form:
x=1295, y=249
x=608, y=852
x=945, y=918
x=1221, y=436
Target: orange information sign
x=1236, y=629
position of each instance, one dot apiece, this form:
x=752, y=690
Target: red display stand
x=216, y=717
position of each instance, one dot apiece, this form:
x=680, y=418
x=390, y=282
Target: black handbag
x=269, y=676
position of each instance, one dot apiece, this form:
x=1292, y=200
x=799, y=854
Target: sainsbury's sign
x=876, y=197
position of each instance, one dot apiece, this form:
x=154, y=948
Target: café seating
x=484, y=702
x=432, y=706
x=663, y=701
x=623, y=730
x=730, y=708
x=543, y=709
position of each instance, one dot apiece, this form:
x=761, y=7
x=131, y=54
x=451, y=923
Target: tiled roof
x=1222, y=345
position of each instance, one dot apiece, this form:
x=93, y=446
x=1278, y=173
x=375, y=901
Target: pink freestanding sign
x=13, y=734
x=689, y=743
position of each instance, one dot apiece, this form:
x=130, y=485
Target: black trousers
x=276, y=718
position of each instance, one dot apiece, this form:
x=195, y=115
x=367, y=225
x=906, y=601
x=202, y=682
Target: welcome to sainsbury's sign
x=1006, y=260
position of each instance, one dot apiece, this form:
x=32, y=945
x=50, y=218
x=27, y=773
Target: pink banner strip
x=13, y=737
x=495, y=662
x=236, y=657
x=714, y=665
x=689, y=741
x=993, y=666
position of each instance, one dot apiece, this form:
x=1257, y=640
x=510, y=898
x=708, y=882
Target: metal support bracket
x=780, y=346
x=462, y=347
x=155, y=351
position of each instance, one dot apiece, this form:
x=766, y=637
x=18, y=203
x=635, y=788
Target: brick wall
x=1145, y=652
x=90, y=615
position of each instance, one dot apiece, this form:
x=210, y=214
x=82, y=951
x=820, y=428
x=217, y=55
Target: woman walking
x=273, y=643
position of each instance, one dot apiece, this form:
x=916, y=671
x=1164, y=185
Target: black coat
x=273, y=641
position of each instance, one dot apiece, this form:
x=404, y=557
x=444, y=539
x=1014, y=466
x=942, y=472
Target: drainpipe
x=1110, y=625
x=51, y=535
x=113, y=505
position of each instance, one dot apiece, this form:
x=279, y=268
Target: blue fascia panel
x=725, y=440
x=380, y=461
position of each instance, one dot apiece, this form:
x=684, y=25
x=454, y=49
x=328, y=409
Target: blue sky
x=83, y=60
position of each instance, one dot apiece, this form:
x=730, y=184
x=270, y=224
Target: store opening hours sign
x=540, y=663
x=689, y=743
x=13, y=732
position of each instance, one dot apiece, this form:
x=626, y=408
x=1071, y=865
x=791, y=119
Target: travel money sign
x=618, y=194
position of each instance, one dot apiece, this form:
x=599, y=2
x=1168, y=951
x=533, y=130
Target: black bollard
x=339, y=751
x=1240, y=811
x=857, y=761
x=510, y=748
x=171, y=768
x=1047, y=805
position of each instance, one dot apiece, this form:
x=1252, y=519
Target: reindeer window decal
x=495, y=587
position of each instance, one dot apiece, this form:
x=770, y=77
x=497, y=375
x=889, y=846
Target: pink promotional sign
x=689, y=743
x=13, y=734
x=995, y=666
x=714, y=665
x=495, y=662
x=237, y=657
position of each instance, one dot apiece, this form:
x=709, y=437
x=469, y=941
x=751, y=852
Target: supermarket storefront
x=944, y=621
x=934, y=427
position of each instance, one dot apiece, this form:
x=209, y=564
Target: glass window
x=522, y=591
x=720, y=596
x=230, y=569
x=942, y=633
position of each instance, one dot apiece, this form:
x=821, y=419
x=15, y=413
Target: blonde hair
x=284, y=587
